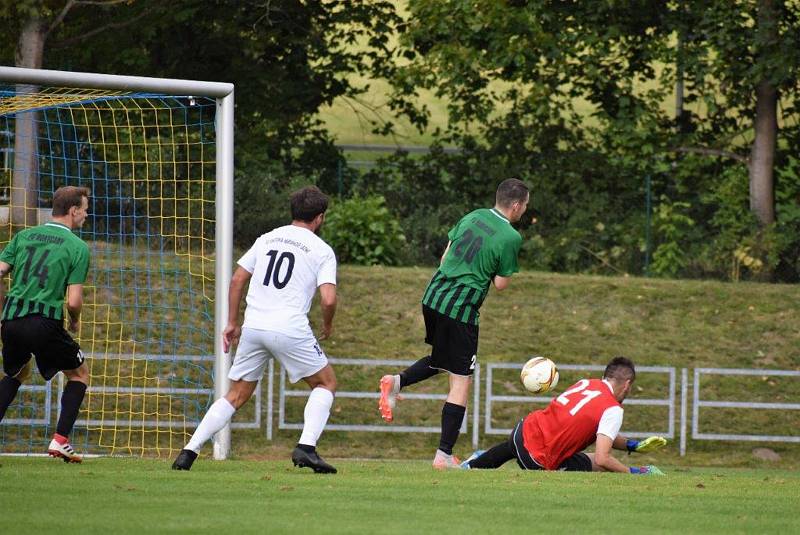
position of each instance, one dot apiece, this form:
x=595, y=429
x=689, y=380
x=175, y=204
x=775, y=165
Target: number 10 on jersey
x=275, y=266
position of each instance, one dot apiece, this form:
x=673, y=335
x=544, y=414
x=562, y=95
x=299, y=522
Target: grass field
x=41, y=495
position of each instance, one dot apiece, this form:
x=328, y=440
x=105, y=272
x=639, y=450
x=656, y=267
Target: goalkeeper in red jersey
x=590, y=411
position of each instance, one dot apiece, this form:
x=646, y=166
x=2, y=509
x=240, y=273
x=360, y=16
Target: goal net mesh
x=147, y=327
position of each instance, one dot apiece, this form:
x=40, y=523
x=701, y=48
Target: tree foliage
x=586, y=101
x=578, y=99
x=287, y=58
x=363, y=231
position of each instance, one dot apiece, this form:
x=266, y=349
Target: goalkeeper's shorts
x=578, y=462
x=300, y=355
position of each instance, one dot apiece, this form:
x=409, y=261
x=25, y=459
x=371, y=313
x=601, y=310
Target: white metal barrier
x=284, y=393
x=52, y=403
x=698, y=403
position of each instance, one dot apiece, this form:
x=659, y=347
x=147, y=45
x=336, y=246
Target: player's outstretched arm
x=604, y=461
x=641, y=446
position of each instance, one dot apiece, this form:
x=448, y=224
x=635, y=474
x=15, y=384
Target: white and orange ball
x=539, y=375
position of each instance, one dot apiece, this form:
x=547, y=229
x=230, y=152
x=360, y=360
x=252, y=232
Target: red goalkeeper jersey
x=571, y=422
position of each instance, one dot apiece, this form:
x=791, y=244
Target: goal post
x=147, y=145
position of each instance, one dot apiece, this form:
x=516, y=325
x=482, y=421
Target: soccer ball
x=539, y=375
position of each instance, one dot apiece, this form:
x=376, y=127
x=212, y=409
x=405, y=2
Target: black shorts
x=454, y=344
x=45, y=338
x=579, y=462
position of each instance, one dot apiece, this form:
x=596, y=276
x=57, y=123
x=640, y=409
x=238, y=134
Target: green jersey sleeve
x=9, y=254
x=508, y=256
x=453, y=234
x=80, y=266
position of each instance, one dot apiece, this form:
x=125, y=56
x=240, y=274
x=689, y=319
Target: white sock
x=219, y=414
x=315, y=415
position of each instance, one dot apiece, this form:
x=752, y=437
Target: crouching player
x=590, y=411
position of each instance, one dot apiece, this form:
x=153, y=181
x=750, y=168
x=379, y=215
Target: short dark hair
x=509, y=191
x=307, y=203
x=66, y=197
x=620, y=368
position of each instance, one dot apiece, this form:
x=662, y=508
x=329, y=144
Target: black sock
x=494, y=457
x=306, y=448
x=452, y=416
x=71, y=400
x=419, y=371
x=8, y=391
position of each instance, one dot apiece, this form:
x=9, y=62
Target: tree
x=34, y=21
x=742, y=61
x=287, y=58
x=587, y=86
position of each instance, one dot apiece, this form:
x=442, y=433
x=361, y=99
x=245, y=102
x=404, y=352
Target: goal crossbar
x=18, y=75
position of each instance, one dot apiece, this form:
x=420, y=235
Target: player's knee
x=235, y=399
x=238, y=397
x=329, y=384
x=80, y=374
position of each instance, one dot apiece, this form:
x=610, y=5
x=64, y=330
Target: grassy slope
x=135, y=496
x=582, y=319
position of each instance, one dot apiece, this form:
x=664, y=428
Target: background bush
x=363, y=231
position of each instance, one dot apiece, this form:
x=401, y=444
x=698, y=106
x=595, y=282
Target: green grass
x=107, y=495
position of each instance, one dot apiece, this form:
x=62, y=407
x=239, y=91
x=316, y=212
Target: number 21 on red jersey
x=578, y=396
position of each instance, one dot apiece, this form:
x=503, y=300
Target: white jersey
x=288, y=264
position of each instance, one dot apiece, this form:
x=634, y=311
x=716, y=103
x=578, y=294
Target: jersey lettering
x=40, y=271
x=274, y=269
x=580, y=387
x=468, y=246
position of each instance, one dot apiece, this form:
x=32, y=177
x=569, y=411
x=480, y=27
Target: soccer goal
x=157, y=155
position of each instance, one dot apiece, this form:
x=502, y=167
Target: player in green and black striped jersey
x=482, y=250
x=47, y=264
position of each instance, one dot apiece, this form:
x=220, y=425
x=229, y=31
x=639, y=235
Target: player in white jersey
x=286, y=266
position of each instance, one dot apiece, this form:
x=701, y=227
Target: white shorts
x=299, y=354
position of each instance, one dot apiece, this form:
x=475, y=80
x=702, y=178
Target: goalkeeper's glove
x=648, y=470
x=646, y=445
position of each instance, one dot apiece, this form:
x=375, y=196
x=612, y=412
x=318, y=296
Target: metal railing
x=284, y=393
x=52, y=407
x=698, y=403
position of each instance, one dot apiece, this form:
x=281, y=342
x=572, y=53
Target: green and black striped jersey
x=483, y=244
x=44, y=260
